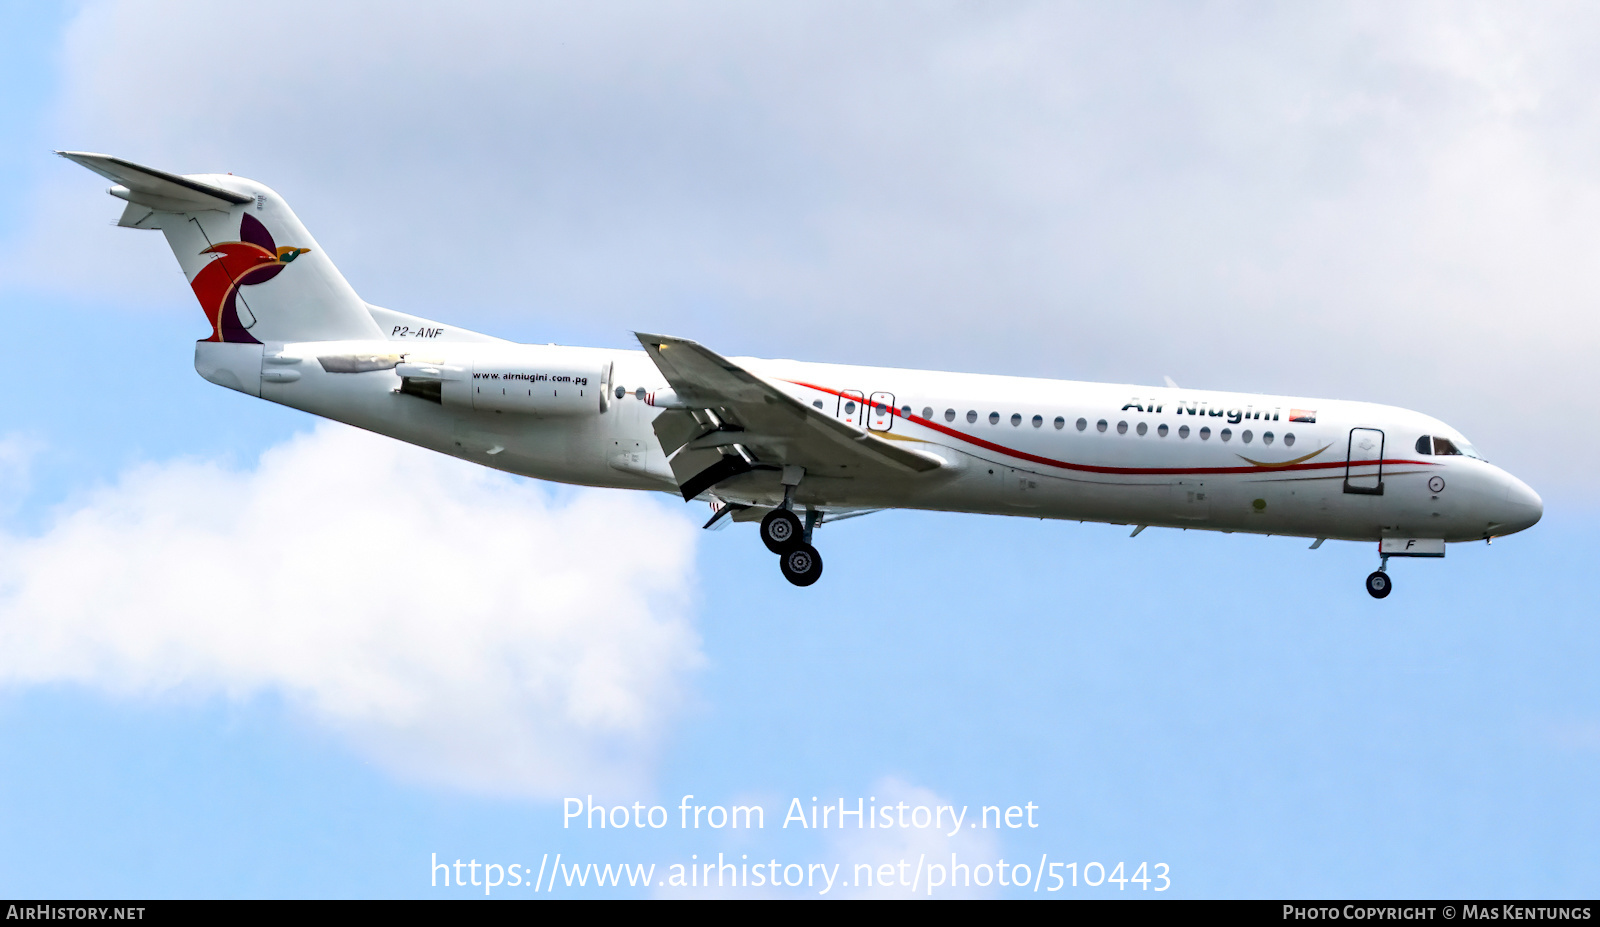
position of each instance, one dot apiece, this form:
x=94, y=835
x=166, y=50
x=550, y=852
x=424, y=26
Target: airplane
x=794, y=445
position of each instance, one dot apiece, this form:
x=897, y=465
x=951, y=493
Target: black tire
x=1379, y=585
x=802, y=565
x=781, y=531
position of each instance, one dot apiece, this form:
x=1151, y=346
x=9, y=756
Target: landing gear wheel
x=781, y=531
x=802, y=565
x=1379, y=585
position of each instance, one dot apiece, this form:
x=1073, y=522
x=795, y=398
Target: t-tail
x=259, y=275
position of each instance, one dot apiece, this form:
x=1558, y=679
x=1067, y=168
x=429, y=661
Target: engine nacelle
x=527, y=379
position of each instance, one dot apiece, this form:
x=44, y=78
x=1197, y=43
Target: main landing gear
x=801, y=566
x=784, y=535
x=781, y=530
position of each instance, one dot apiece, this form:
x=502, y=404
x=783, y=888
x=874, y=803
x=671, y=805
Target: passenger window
x=1084, y=423
x=1288, y=440
x=1183, y=431
x=994, y=418
x=949, y=415
x=1062, y=423
x=1443, y=446
x=1161, y=430
x=905, y=411
x=927, y=412
x=849, y=407
x=1016, y=419
x=1246, y=436
x=1142, y=429
x=1122, y=428
x=972, y=416
x=1425, y=445
x=1226, y=434
x=1266, y=437
x=1100, y=426
x=1205, y=432
x=1038, y=420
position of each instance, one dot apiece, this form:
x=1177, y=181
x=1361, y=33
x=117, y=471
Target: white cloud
x=916, y=847
x=1394, y=203
x=461, y=626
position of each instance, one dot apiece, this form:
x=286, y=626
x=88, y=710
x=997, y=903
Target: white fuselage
x=769, y=439
x=1009, y=445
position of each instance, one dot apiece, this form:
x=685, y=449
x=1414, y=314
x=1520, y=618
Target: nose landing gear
x=1379, y=585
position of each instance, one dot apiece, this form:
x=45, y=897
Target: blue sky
x=1329, y=203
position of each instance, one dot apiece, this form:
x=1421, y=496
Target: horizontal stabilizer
x=155, y=189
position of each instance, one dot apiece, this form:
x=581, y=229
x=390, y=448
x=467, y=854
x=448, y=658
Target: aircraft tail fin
x=257, y=272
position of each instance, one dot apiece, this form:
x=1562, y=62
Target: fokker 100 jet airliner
x=794, y=445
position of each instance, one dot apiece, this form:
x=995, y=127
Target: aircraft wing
x=733, y=421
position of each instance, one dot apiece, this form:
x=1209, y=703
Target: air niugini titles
x=1234, y=416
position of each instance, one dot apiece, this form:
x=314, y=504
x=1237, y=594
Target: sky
x=247, y=654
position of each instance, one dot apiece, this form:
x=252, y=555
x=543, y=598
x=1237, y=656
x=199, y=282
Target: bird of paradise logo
x=253, y=260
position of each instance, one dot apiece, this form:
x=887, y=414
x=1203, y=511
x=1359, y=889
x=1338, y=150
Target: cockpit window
x=1456, y=447
x=1425, y=444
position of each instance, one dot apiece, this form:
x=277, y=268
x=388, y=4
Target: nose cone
x=1522, y=508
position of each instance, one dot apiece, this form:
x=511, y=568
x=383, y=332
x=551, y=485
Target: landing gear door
x=852, y=407
x=1364, y=470
x=881, y=414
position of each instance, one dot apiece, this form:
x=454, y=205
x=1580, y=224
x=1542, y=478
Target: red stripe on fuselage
x=1089, y=468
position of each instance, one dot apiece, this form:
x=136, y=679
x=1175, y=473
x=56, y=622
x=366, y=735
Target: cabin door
x=1363, y=472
